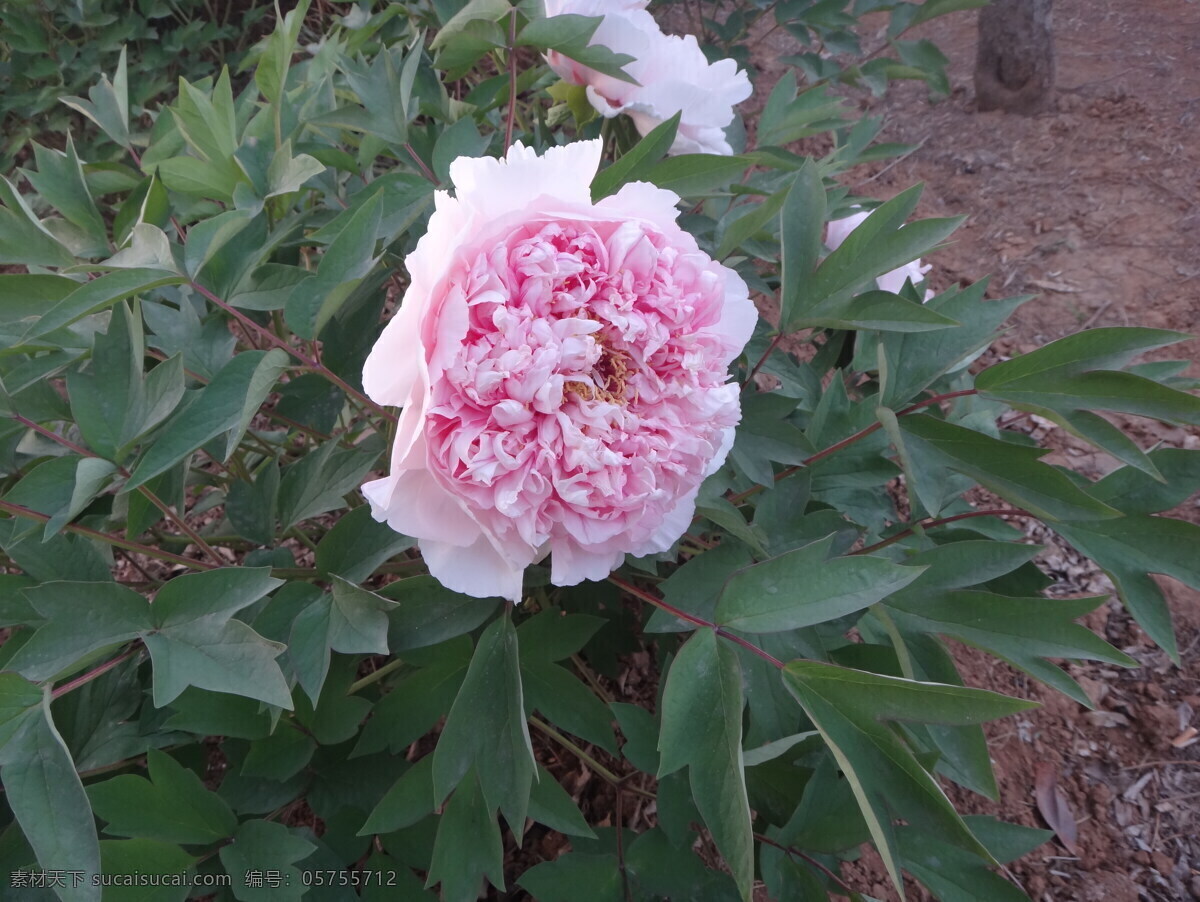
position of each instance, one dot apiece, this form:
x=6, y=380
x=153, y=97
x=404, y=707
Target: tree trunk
x=1014, y=63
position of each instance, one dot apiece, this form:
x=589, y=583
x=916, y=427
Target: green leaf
x=486, y=729
x=47, y=799
x=575, y=877
x=109, y=106
x=739, y=229
x=1133, y=491
x=955, y=875
x=358, y=619
x=702, y=729
x=878, y=245
x=566, y=702
x=467, y=846
x=851, y=709
x=227, y=657
x=550, y=805
x=319, y=480
x=343, y=265
x=408, y=802
x=280, y=755
x=554, y=635
x=59, y=181
x=224, y=405
x=1093, y=349
x=1100, y=390
x=1009, y=470
x=264, y=846
x=696, y=174
x=109, y=401
x=650, y=149
x=195, y=643
x=132, y=858
x=94, y=296
x=462, y=139
x=18, y=698
x=415, y=704
x=569, y=34
x=429, y=613
x=357, y=544
x=801, y=224
x=957, y=565
x=1007, y=842
x=251, y=506
x=270, y=74
x=172, y=806
x=81, y=618
x=1021, y=630
x=916, y=359
x=1130, y=548
x=804, y=587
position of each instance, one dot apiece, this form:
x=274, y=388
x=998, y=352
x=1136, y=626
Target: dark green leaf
x=486, y=729
x=641, y=156
x=172, y=806
x=80, y=618
x=851, y=708
x=1011, y=471
x=358, y=544
x=430, y=613
x=260, y=846
x=804, y=587
x=801, y=223
x=467, y=846
x=47, y=798
x=134, y=858
x=702, y=729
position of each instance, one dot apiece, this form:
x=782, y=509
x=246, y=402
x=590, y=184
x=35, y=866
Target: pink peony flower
x=893, y=281
x=672, y=72
x=562, y=366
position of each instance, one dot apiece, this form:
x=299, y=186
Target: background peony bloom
x=672, y=72
x=562, y=366
x=893, y=281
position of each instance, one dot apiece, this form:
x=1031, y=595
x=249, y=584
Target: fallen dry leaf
x=1055, y=811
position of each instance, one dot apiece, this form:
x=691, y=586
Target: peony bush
x=422, y=481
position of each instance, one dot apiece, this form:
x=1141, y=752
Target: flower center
x=609, y=377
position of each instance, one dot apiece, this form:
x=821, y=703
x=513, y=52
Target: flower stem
x=18, y=510
x=376, y=675
x=850, y=440
x=134, y=648
x=930, y=523
x=698, y=621
x=278, y=342
x=171, y=515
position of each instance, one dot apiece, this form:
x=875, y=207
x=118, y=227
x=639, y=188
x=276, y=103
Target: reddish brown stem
x=175, y=518
x=930, y=523
x=837, y=881
x=95, y=672
x=698, y=621
x=295, y=352
x=850, y=440
x=19, y=511
x=763, y=359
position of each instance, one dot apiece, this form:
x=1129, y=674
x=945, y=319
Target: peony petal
x=491, y=188
x=477, y=569
x=571, y=564
x=411, y=502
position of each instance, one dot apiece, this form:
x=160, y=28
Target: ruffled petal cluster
x=563, y=372
x=837, y=232
x=672, y=72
